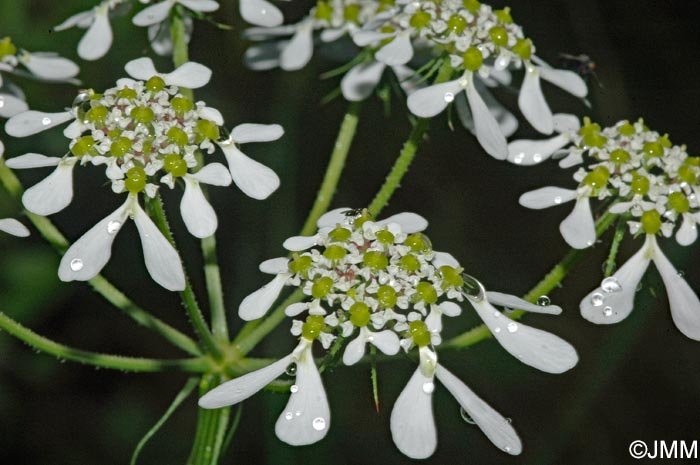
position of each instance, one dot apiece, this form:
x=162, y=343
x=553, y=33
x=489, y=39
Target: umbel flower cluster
x=639, y=174
x=145, y=133
x=482, y=45
x=381, y=283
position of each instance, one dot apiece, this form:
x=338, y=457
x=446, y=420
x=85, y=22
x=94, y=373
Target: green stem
x=341, y=148
x=178, y=34
x=117, y=362
x=546, y=285
x=187, y=295
x=211, y=428
x=615, y=246
x=408, y=153
x=101, y=285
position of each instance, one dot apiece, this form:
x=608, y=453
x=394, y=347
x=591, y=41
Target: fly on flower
x=381, y=283
x=145, y=133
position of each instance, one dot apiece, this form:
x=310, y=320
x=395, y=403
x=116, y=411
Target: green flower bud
x=653, y=149
x=142, y=115
x=127, y=93
x=410, y=263
x=687, y=174
x=84, y=146
x=651, y=222
x=375, y=260
x=426, y=292
x=352, y=13
x=457, y=23
x=385, y=237
x=499, y=36
x=639, y=184
x=420, y=20
x=619, y=156
x=175, y=165
x=472, y=6
x=323, y=10
x=523, y=48
x=386, y=296
x=321, y=287
x=120, y=146
x=594, y=140
x=155, y=84
x=205, y=129
x=312, y=327
x=359, y=314
x=626, y=129
x=181, y=104
x=597, y=178
x=589, y=127
x=340, y=234
x=504, y=15
x=679, y=202
x=178, y=136
x=135, y=180
x=97, y=114
x=451, y=277
x=334, y=252
x=472, y=59
x=419, y=333
x=300, y=264
x=419, y=242
x=7, y=47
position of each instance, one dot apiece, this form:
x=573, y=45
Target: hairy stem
x=211, y=428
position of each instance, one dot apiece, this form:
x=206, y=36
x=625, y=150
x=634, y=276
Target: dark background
x=639, y=379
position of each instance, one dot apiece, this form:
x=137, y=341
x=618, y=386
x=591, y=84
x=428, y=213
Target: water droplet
x=518, y=159
x=680, y=273
x=291, y=369
x=298, y=413
x=639, y=287
x=497, y=329
x=319, y=424
x=473, y=289
x=294, y=388
x=466, y=417
x=2, y=102
x=509, y=420
x=597, y=299
x=497, y=314
x=543, y=301
x=507, y=448
x=449, y=97
x=428, y=387
x=113, y=226
x=610, y=284
x=288, y=415
x=608, y=311
x=537, y=158
x=76, y=264
x=370, y=339
x=557, y=199
x=589, y=243
x=46, y=121
x=512, y=327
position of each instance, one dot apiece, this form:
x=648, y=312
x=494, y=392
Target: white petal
x=141, y=68
x=265, y=33
x=572, y=159
x=532, y=102
x=162, y=260
x=244, y=133
x=530, y=152
x=688, y=232
x=89, y=254
x=11, y=105
x=578, y=229
x=82, y=19
x=613, y=307
x=214, y=174
x=495, y=427
x=387, y=341
x=684, y=303
x=50, y=67
x=565, y=79
x=299, y=243
x=298, y=51
x=361, y=80
x=190, y=75
x=261, y=13
x=307, y=417
x=98, y=39
x=355, y=349
x=74, y=129
x=254, y=179
x=197, y=213
x=200, y=5
x=397, y=52
x=331, y=35
x=432, y=100
x=534, y=347
x=212, y=114
x=332, y=218
x=488, y=132
x=412, y=423
x=506, y=120
x=363, y=38
x=32, y=160
x=14, y=227
x=153, y=14
x=516, y=303
x=264, y=56
x=450, y=308
x=620, y=207
x=565, y=122
x=410, y=222
x=275, y=265
x=239, y=389
x=52, y=194
x=259, y=302
x=546, y=197
x=295, y=309
x=32, y=122
x=444, y=259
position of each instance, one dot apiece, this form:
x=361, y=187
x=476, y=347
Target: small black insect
x=353, y=213
x=581, y=65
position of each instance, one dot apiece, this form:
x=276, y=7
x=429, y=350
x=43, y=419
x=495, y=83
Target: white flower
x=362, y=79
x=507, y=122
x=159, y=12
x=530, y=152
x=98, y=39
x=306, y=419
x=14, y=227
x=412, y=423
x=290, y=55
x=398, y=51
x=260, y=13
x=613, y=300
x=432, y=100
x=255, y=305
x=387, y=341
x=190, y=75
x=89, y=254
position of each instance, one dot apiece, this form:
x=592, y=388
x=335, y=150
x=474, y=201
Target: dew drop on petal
x=291, y=369
x=610, y=284
x=465, y=416
x=294, y=388
x=46, y=121
x=557, y=199
x=497, y=329
x=538, y=158
x=428, y=387
x=497, y=314
x=319, y=424
x=608, y=311
x=288, y=415
x=518, y=159
x=449, y=97
x=76, y=264
x=507, y=448
x=509, y=420
x=113, y=227
x=512, y=327
x=543, y=301
x=370, y=338
x=298, y=413
x=597, y=299
x=681, y=273
x=639, y=287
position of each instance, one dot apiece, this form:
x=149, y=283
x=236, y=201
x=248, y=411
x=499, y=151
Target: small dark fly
x=581, y=65
x=355, y=212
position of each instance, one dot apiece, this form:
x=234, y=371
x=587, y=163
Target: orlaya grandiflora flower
x=307, y=417
x=613, y=300
x=98, y=39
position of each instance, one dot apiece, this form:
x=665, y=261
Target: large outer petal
x=255, y=305
x=565, y=79
x=14, y=227
x=546, y=197
x=52, y=194
x=11, y=105
x=197, y=213
x=260, y=13
x=249, y=132
x=31, y=122
x=153, y=14
x=488, y=132
x=253, y=178
x=98, y=38
x=298, y=51
x=361, y=80
x=412, y=423
x=397, y=52
x=190, y=75
x=530, y=152
x=51, y=67
x=578, y=229
x=432, y=100
x=532, y=103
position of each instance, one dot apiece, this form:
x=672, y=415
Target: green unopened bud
x=499, y=35
x=420, y=20
x=312, y=327
x=523, y=48
x=419, y=242
x=451, y=277
x=175, y=165
x=135, y=180
x=687, y=174
x=375, y=260
x=127, y=93
x=155, y=84
x=619, y=156
x=426, y=292
x=639, y=184
x=142, y=115
x=300, y=264
x=385, y=237
x=181, y=104
x=651, y=222
x=340, y=234
x=352, y=13
x=472, y=6
x=419, y=333
x=626, y=129
x=359, y=314
x=120, y=146
x=7, y=47
x=589, y=127
x=410, y=263
x=504, y=15
x=84, y=146
x=323, y=10
x=362, y=219
x=178, y=136
x=386, y=296
x=334, y=252
x=594, y=140
x=97, y=114
x=205, y=129
x=472, y=59
x=653, y=149
x=679, y=202
x=386, y=4
x=457, y=24
x=597, y=178
x=321, y=287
